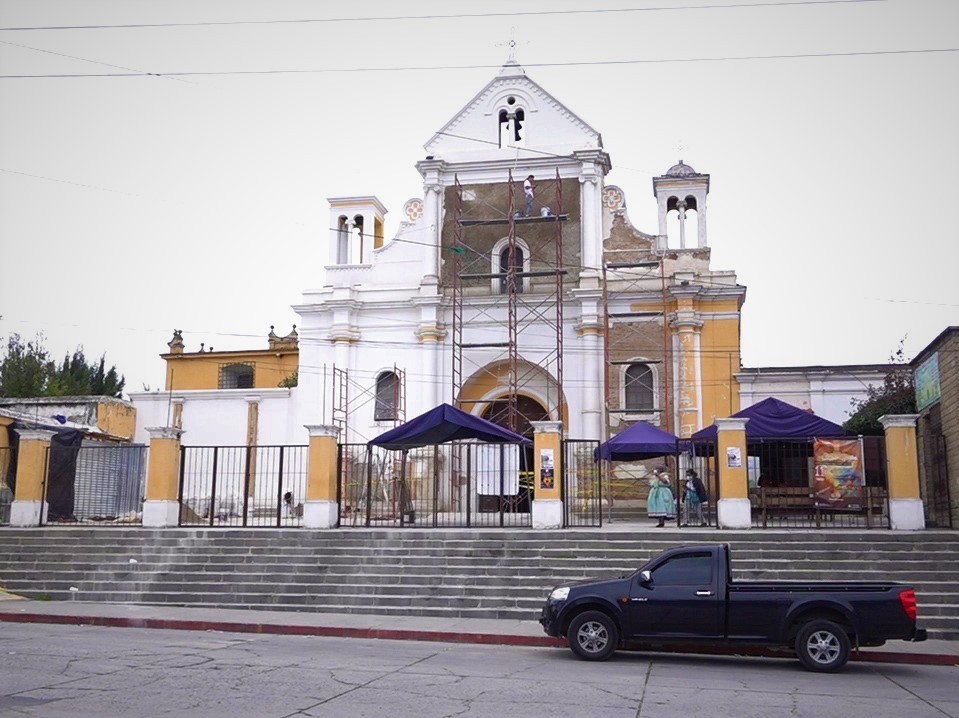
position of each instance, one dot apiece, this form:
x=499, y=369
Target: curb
x=396, y=634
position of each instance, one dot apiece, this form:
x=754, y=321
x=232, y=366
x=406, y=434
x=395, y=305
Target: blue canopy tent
x=443, y=424
x=640, y=441
x=772, y=419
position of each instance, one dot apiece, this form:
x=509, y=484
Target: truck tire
x=593, y=636
x=822, y=646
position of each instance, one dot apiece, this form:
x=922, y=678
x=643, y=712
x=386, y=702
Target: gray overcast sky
x=133, y=205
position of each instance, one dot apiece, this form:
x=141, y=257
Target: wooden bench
x=801, y=501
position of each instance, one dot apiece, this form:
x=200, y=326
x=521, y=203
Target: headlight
x=559, y=594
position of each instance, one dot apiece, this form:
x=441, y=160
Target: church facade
x=555, y=308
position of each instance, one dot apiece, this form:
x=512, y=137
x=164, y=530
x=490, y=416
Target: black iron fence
x=784, y=491
x=95, y=483
x=6, y=483
x=582, y=487
x=250, y=486
x=689, y=511
x=450, y=485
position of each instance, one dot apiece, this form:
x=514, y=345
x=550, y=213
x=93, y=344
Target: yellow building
x=268, y=368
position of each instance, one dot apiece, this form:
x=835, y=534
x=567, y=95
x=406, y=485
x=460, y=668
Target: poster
x=928, y=389
x=838, y=474
x=547, y=479
x=734, y=457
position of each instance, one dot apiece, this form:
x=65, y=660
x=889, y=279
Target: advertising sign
x=838, y=479
x=734, y=457
x=928, y=390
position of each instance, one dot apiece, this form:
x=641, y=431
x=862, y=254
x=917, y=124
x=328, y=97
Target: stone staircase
x=457, y=573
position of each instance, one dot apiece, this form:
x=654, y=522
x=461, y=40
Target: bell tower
x=681, y=197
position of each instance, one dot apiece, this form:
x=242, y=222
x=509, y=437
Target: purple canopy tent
x=640, y=441
x=775, y=419
x=443, y=424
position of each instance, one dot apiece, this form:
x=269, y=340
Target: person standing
x=528, y=188
x=660, y=504
x=694, y=498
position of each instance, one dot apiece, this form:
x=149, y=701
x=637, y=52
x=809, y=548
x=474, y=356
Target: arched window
x=387, y=394
x=504, y=265
x=236, y=376
x=639, y=389
x=342, y=240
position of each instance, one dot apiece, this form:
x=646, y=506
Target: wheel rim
x=592, y=637
x=823, y=647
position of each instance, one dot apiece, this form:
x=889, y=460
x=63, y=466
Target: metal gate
x=582, y=486
x=250, y=486
x=95, y=483
x=449, y=485
x=936, y=470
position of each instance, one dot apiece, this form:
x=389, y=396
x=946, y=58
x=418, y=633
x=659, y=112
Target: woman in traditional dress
x=660, y=503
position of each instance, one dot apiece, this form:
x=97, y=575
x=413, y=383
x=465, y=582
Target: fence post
x=29, y=506
x=733, y=508
x=161, y=507
x=547, y=508
x=321, y=509
x=902, y=464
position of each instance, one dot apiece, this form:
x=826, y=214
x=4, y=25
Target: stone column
x=33, y=458
x=161, y=507
x=902, y=472
x=733, y=507
x=321, y=510
x=547, y=509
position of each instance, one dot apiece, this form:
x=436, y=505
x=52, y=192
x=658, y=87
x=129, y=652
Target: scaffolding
x=500, y=297
x=635, y=304
x=349, y=395
x=628, y=283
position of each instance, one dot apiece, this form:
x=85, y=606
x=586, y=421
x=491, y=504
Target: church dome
x=681, y=170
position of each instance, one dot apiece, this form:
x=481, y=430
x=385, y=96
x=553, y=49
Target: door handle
x=704, y=593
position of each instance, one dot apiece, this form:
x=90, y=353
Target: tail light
x=908, y=600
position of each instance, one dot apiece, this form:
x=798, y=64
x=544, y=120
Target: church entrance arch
x=528, y=410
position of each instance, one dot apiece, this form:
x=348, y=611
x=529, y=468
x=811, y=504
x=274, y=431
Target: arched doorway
x=528, y=410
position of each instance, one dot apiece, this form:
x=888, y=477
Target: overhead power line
x=452, y=16
x=425, y=68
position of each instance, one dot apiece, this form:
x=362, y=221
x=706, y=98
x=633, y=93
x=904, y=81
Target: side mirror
x=645, y=578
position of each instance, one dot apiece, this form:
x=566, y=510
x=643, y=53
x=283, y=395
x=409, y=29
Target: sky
x=133, y=203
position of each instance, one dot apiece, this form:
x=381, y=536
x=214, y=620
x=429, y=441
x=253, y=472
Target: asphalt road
x=81, y=671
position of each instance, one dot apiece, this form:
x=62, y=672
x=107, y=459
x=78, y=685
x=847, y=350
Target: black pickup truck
x=687, y=596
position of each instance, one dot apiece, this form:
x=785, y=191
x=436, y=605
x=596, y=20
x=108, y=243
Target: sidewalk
x=402, y=628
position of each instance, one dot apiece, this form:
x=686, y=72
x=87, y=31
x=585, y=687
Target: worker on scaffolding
x=528, y=188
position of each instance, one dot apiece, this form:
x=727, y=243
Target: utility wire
x=584, y=63
x=453, y=16
x=84, y=59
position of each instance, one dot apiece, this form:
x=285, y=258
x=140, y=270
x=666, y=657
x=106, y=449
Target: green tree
x=896, y=395
x=26, y=368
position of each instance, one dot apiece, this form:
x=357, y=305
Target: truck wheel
x=593, y=636
x=822, y=646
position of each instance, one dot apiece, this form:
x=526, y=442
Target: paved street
x=84, y=671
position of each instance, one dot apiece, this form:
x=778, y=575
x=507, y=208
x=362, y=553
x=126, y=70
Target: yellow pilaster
x=733, y=507
x=687, y=325
x=906, y=511
x=547, y=506
x=161, y=506
x=33, y=457
x=321, y=510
